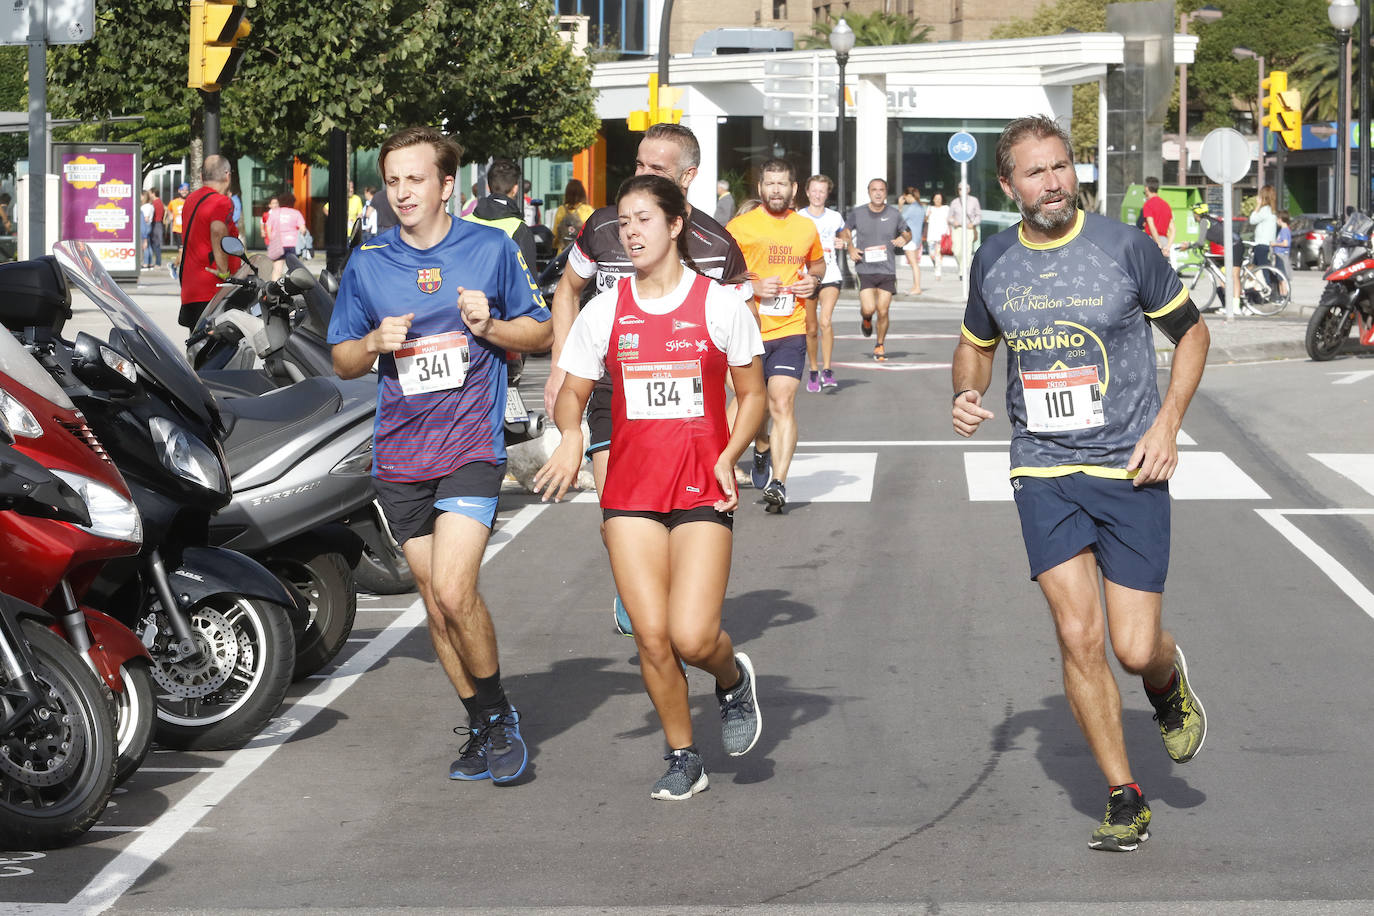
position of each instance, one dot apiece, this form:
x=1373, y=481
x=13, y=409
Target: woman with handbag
x=938, y=240
x=284, y=225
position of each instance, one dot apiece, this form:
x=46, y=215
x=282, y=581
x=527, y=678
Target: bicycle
x=1264, y=289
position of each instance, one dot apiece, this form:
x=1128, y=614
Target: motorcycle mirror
x=232, y=246
x=329, y=282
x=301, y=279
x=100, y=366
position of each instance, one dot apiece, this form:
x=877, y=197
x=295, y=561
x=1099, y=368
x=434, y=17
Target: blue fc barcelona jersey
x=457, y=418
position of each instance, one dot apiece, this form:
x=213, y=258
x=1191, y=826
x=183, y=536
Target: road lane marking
x=1359, y=468
x=832, y=477
x=154, y=840
x=1350, y=378
x=1334, y=570
x=1200, y=475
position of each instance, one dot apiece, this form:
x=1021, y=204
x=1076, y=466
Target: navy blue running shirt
x=428, y=435
x=1081, y=385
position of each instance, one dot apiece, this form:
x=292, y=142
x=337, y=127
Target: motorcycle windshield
x=137, y=334
x=18, y=364
x=319, y=305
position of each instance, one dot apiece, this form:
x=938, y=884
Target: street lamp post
x=842, y=41
x=1205, y=14
x=1342, y=15
x=1363, y=196
x=1242, y=54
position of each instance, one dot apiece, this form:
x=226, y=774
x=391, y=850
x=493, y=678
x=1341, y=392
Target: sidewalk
x=1242, y=339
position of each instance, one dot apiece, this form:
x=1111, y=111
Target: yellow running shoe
x=1125, y=825
x=1182, y=720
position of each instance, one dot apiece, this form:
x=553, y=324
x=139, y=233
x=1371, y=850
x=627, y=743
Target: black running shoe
x=471, y=764
x=775, y=496
x=504, y=747
x=763, y=466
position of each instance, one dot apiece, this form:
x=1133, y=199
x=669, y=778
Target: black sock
x=722, y=691
x=691, y=749
x=490, y=697
x=474, y=711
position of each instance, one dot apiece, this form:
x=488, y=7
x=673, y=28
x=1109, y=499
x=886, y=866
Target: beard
x=1046, y=221
x=777, y=206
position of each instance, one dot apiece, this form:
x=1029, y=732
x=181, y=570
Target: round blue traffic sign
x=962, y=146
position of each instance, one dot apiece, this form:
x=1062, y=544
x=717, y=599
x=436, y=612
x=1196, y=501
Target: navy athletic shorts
x=784, y=356
x=1126, y=526
x=599, y=417
x=411, y=508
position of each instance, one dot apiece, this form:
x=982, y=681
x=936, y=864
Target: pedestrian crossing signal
x=216, y=29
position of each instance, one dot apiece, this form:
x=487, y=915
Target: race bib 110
x=1062, y=399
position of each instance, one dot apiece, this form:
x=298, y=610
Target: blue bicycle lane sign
x=962, y=147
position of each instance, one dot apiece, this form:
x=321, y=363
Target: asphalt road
x=917, y=754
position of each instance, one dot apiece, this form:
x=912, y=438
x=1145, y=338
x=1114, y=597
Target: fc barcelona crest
x=428, y=279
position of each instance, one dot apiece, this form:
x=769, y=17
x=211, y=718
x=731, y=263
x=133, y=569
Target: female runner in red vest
x=667, y=336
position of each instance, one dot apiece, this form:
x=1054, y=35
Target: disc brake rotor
x=219, y=651
x=48, y=750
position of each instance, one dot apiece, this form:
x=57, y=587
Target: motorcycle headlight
x=186, y=456
x=21, y=422
x=112, y=516
x=357, y=462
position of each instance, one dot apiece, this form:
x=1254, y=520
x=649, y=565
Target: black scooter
x=219, y=626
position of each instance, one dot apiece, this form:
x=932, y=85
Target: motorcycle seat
x=237, y=383
x=258, y=427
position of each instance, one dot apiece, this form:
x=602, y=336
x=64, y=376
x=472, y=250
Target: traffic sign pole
x=1226, y=159
x=962, y=147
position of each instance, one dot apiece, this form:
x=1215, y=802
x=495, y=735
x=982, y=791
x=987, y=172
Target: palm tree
x=1316, y=74
x=873, y=29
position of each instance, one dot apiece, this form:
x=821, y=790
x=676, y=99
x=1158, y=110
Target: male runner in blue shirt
x=436, y=302
x=1074, y=295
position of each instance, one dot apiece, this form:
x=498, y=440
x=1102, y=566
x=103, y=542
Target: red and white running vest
x=668, y=423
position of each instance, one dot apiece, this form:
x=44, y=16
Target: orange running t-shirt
x=777, y=247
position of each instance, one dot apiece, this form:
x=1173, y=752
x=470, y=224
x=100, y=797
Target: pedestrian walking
x=786, y=264
x=672, y=151
x=436, y=303
x=938, y=240
x=829, y=224
x=284, y=226
x=207, y=221
x=871, y=232
x=965, y=243
x=667, y=336
x=914, y=214
x=1075, y=296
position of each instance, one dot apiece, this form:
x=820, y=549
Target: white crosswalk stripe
x=1200, y=475
x=1359, y=468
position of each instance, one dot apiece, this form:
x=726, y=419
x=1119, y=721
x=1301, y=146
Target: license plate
x=515, y=407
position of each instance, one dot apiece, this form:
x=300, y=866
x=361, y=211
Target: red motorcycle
x=51, y=564
x=1348, y=299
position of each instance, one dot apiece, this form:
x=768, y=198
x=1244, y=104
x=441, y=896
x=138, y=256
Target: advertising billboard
x=98, y=192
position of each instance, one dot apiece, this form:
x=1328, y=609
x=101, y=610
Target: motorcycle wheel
x=323, y=578
x=383, y=574
x=223, y=698
x=56, y=773
x=135, y=711
x=1327, y=330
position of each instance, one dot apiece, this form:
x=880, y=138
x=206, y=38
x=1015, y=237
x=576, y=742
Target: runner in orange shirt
x=786, y=264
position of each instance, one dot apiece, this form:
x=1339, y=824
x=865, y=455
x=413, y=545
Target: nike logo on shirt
x=370, y=247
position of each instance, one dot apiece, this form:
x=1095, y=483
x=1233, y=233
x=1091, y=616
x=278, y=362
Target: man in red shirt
x=1159, y=217
x=207, y=218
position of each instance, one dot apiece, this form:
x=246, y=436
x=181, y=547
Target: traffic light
x=1283, y=109
x=216, y=27
x=661, y=107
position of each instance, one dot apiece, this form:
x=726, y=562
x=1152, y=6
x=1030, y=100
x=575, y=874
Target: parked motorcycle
x=1348, y=297
x=57, y=743
x=218, y=626
x=52, y=564
x=258, y=336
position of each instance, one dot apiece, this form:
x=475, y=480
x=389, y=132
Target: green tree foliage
x=13, y=97
x=1082, y=16
x=490, y=71
x=1281, y=30
x=871, y=30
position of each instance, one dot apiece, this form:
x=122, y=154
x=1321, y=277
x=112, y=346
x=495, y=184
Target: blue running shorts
x=411, y=508
x=785, y=356
x=1126, y=526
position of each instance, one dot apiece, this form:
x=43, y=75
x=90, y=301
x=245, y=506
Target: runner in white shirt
x=818, y=320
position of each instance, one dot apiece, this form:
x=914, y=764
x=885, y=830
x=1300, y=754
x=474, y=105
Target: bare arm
x=1156, y=454
x=559, y=472
x=564, y=311
x=972, y=375
x=217, y=233
x=354, y=358
x=751, y=399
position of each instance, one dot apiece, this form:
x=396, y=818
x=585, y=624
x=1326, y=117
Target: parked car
x=1311, y=245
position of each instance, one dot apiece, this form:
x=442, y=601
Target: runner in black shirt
x=672, y=151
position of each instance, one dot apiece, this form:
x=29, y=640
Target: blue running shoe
x=504, y=748
x=622, y=619
x=763, y=467
x=471, y=764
